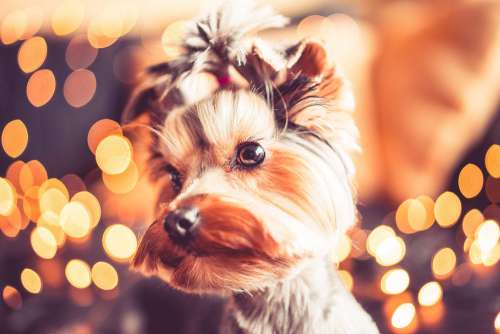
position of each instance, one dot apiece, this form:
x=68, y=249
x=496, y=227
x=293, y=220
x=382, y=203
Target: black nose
x=181, y=223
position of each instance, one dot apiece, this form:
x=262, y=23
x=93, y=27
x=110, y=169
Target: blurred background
x=426, y=75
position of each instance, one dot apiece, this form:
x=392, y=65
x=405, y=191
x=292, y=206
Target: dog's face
x=255, y=187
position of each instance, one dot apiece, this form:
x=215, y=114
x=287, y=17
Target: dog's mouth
x=156, y=249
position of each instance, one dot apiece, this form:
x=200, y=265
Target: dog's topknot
x=213, y=43
x=221, y=33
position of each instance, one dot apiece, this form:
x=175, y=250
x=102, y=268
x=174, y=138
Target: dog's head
x=251, y=160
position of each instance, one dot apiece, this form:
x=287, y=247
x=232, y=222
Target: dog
x=252, y=149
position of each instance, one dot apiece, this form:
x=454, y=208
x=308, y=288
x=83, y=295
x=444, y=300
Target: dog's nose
x=180, y=223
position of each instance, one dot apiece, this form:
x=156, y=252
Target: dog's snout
x=181, y=223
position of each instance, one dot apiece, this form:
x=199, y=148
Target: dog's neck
x=312, y=301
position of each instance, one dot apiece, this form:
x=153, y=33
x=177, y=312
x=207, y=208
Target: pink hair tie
x=224, y=80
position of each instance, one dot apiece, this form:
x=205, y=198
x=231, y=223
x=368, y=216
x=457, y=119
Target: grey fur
x=313, y=301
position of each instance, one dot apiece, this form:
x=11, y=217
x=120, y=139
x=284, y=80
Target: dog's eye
x=175, y=177
x=250, y=154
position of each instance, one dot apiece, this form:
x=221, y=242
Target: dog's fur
x=267, y=233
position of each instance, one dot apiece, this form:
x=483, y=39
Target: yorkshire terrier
x=254, y=144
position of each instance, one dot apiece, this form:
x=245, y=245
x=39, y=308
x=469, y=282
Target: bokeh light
x=13, y=26
x=395, y=281
x=125, y=182
x=50, y=221
x=443, y=263
x=119, y=242
x=38, y=172
x=43, y=242
x=492, y=160
x=79, y=87
x=91, y=203
x=31, y=203
x=12, y=297
x=472, y=219
x=100, y=130
x=41, y=87
x=13, y=173
x=26, y=178
x=75, y=220
x=403, y=315
x=470, y=180
x=414, y=215
x=79, y=53
x=67, y=17
x=53, y=183
x=419, y=224
x=430, y=294
x=8, y=197
x=52, y=201
x=73, y=183
x=114, y=154
x=492, y=188
x=78, y=273
x=104, y=276
x=347, y=279
x=172, y=38
x=376, y=236
x=32, y=54
x=31, y=281
x=14, y=138
x=447, y=209
x=96, y=36
x=487, y=235
x=390, y=251
x=497, y=322
x=310, y=26
x=35, y=18
x=491, y=257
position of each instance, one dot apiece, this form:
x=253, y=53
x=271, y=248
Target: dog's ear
x=314, y=95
